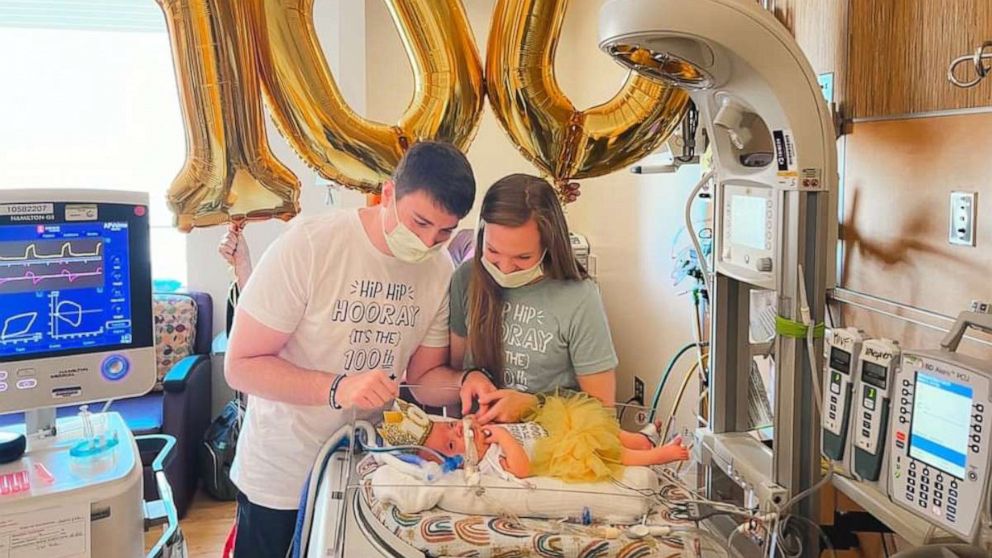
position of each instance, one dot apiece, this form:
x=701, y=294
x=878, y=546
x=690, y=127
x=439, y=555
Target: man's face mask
x=404, y=244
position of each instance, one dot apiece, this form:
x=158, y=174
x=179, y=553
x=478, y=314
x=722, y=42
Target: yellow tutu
x=583, y=443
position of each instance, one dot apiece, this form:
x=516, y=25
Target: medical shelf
x=913, y=529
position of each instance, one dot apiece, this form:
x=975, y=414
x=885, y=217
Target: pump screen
x=840, y=360
x=941, y=419
x=873, y=374
x=747, y=221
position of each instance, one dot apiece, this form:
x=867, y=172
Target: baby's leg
x=635, y=440
x=672, y=451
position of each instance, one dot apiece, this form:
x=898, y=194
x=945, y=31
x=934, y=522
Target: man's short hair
x=440, y=170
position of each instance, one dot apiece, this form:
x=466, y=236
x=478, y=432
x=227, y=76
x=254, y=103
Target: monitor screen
x=747, y=221
x=64, y=286
x=941, y=420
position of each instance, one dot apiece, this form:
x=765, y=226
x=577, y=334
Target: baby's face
x=448, y=437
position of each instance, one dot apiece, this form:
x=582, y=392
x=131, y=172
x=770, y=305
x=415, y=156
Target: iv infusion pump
x=916, y=423
x=939, y=451
x=872, y=394
x=843, y=348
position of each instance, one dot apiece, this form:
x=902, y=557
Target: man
x=339, y=308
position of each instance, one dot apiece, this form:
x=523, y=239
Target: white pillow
x=549, y=499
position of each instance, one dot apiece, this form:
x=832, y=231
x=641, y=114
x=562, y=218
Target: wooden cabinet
x=890, y=57
x=900, y=51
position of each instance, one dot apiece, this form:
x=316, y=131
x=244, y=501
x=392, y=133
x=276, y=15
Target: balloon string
x=561, y=188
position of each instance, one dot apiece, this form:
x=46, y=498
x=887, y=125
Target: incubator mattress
x=438, y=533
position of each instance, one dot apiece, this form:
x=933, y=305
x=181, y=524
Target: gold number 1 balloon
x=312, y=114
x=229, y=172
x=561, y=141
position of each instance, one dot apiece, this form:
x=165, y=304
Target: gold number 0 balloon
x=229, y=170
x=326, y=132
x=561, y=141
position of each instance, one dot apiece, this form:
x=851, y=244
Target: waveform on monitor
x=63, y=274
x=18, y=326
x=66, y=251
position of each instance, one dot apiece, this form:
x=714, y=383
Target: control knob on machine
x=115, y=367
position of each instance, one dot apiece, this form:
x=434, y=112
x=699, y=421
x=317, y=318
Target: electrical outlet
x=961, y=229
x=981, y=307
x=639, y=391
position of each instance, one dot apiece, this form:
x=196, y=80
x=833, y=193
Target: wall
x=899, y=176
x=897, y=169
x=630, y=221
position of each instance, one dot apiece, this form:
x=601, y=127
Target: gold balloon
x=314, y=117
x=561, y=141
x=230, y=172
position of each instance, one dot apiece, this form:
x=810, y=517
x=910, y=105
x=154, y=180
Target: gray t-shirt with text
x=553, y=332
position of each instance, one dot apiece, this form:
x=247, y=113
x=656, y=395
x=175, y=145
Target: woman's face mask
x=506, y=242
x=404, y=244
x=517, y=278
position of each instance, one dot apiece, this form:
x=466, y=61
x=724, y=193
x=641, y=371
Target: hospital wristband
x=331, y=399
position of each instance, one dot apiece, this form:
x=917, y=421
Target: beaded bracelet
x=331, y=400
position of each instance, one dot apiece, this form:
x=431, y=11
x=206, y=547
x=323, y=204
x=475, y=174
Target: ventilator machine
x=76, y=318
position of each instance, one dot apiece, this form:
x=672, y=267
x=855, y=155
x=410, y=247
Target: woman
x=523, y=311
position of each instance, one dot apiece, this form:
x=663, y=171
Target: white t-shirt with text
x=348, y=308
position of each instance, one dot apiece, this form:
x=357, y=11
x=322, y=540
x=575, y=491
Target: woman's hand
x=476, y=385
x=234, y=250
x=505, y=405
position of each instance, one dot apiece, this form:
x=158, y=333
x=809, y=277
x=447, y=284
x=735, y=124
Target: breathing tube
x=471, y=460
x=447, y=464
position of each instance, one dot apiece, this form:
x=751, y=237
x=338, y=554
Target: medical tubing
x=345, y=433
x=391, y=449
x=678, y=400
x=806, y=316
x=703, y=533
x=819, y=531
x=728, y=545
x=810, y=354
x=810, y=333
x=656, y=399
x=799, y=497
x=692, y=232
x=697, y=335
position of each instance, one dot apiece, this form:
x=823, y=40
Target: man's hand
x=475, y=386
x=505, y=405
x=367, y=391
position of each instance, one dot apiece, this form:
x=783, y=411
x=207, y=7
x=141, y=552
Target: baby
x=572, y=438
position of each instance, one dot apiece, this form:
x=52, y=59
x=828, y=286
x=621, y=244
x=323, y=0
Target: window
x=89, y=101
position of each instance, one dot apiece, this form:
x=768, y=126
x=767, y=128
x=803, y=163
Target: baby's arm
x=514, y=460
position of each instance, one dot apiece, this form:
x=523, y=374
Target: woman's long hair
x=511, y=202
